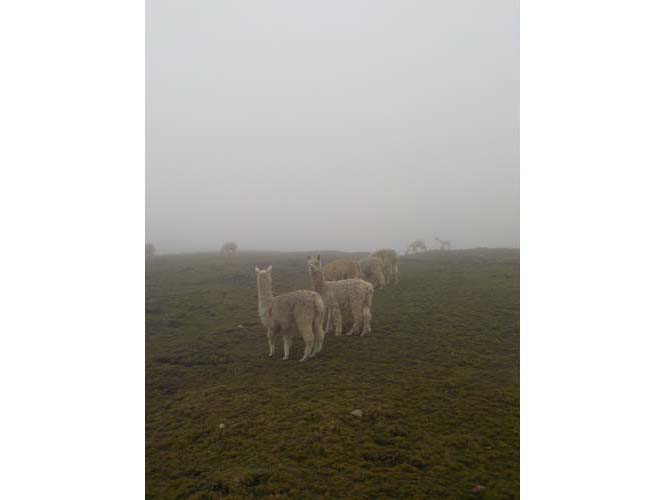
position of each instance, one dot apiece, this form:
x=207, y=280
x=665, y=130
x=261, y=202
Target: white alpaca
x=229, y=249
x=444, y=244
x=372, y=270
x=304, y=308
x=416, y=247
x=355, y=295
x=390, y=261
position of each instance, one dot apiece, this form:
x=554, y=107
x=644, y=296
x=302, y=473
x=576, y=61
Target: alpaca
x=150, y=251
x=229, y=249
x=341, y=269
x=303, y=307
x=444, y=244
x=416, y=247
x=390, y=263
x=353, y=294
x=372, y=270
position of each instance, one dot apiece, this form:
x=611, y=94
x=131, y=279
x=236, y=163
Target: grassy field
x=437, y=381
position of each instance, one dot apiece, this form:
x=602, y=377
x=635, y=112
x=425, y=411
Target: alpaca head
x=314, y=263
x=263, y=277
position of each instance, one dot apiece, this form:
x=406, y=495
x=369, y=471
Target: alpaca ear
x=256, y=270
x=268, y=269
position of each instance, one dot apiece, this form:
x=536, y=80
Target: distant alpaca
x=150, y=251
x=372, y=270
x=416, y=247
x=303, y=307
x=444, y=244
x=341, y=269
x=353, y=294
x=229, y=249
x=390, y=263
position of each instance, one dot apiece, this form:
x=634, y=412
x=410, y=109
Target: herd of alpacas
x=340, y=287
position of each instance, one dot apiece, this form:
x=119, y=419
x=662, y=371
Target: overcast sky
x=351, y=125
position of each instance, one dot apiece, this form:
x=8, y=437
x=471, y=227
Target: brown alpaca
x=341, y=269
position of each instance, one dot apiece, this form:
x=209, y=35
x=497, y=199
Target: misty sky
x=350, y=125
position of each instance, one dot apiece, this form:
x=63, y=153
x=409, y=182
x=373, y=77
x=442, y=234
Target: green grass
x=438, y=382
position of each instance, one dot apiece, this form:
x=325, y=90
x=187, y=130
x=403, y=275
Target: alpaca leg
x=319, y=340
x=357, y=317
x=317, y=343
x=309, y=339
x=338, y=321
x=329, y=322
x=367, y=321
x=304, y=324
x=319, y=333
x=381, y=281
x=271, y=337
x=287, y=344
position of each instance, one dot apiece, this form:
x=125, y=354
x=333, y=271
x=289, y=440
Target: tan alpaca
x=355, y=295
x=390, y=261
x=341, y=269
x=302, y=308
x=372, y=270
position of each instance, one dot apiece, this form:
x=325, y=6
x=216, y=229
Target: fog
x=346, y=125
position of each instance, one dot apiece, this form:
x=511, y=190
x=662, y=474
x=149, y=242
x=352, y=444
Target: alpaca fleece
x=303, y=309
x=390, y=264
x=354, y=295
x=341, y=269
x=372, y=270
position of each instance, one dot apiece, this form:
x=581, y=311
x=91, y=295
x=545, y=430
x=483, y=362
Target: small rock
x=221, y=426
x=478, y=488
x=240, y=327
x=357, y=413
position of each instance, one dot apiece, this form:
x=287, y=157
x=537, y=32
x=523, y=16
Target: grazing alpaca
x=353, y=294
x=390, y=262
x=341, y=269
x=416, y=247
x=229, y=249
x=444, y=244
x=372, y=270
x=303, y=307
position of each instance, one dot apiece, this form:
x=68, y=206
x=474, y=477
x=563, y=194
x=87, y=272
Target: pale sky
x=346, y=125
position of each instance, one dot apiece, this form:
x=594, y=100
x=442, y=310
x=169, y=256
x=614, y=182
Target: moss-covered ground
x=437, y=381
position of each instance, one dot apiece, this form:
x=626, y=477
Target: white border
x=593, y=249
x=72, y=204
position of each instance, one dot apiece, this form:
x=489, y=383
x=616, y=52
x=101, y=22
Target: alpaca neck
x=264, y=299
x=319, y=284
